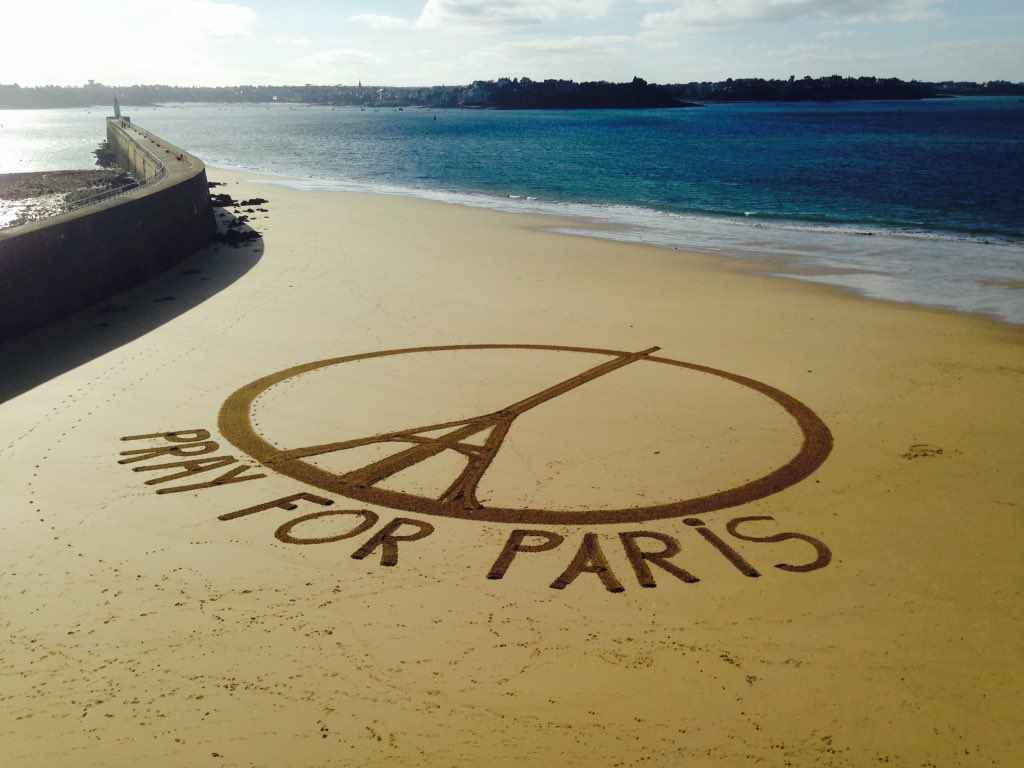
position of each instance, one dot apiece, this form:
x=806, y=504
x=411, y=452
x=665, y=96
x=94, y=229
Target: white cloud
x=146, y=40
x=333, y=57
x=570, y=45
x=579, y=57
x=971, y=59
x=835, y=33
x=207, y=18
x=294, y=41
x=723, y=12
x=223, y=42
x=438, y=13
x=381, y=22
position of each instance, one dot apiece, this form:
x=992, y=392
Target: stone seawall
x=53, y=267
x=129, y=144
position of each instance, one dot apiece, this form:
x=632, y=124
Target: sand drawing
x=420, y=443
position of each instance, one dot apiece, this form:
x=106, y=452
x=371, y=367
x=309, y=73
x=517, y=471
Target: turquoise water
x=912, y=201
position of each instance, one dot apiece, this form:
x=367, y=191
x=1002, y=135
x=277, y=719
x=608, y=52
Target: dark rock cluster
x=236, y=229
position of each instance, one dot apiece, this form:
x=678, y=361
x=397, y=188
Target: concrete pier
x=53, y=267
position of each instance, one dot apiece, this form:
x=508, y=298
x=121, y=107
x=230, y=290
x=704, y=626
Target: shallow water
x=909, y=201
x=13, y=212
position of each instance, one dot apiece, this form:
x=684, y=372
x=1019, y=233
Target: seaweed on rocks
x=237, y=230
x=104, y=154
x=236, y=237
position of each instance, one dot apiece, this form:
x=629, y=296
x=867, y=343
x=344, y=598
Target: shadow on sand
x=47, y=352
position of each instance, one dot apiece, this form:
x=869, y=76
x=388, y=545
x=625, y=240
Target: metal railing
x=169, y=149
x=108, y=194
x=161, y=169
x=99, y=197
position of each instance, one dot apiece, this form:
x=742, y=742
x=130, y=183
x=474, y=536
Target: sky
x=427, y=42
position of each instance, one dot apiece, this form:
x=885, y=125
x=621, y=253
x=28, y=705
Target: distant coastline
x=517, y=93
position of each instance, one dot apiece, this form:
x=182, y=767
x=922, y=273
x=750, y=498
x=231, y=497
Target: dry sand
x=139, y=629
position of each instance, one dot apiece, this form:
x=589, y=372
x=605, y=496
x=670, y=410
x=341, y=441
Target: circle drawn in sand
x=419, y=443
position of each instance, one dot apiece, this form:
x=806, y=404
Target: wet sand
x=26, y=197
x=140, y=627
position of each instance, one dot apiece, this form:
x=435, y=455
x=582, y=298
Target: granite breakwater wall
x=54, y=267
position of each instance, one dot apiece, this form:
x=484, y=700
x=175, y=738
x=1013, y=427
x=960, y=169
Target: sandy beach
x=205, y=560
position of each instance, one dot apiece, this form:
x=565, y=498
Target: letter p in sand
x=515, y=544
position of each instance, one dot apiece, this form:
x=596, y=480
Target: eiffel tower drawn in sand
x=459, y=499
x=461, y=494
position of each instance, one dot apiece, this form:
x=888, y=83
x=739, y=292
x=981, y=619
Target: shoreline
x=789, y=267
x=853, y=228
x=176, y=621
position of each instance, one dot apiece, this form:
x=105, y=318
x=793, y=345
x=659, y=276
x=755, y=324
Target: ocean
x=918, y=202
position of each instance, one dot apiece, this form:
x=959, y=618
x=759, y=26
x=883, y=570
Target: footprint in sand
x=922, y=451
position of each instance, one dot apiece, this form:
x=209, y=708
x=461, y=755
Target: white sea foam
x=950, y=270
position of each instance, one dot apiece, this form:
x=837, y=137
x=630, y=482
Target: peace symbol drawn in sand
x=419, y=443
